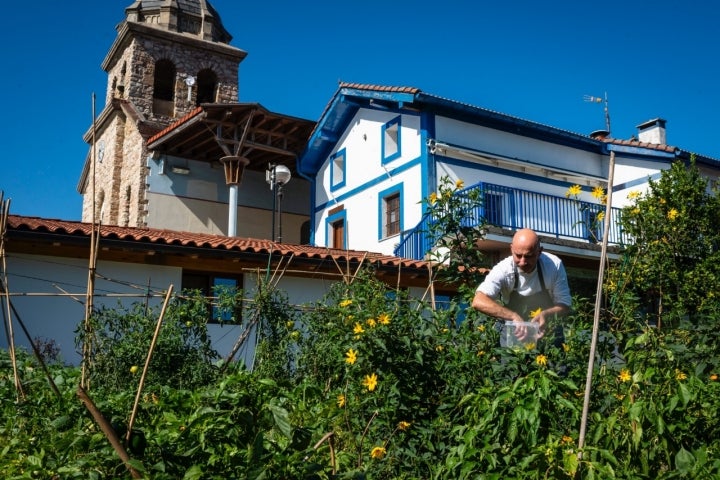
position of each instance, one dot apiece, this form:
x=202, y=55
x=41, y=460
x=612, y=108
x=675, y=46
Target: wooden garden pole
x=147, y=363
x=107, y=430
x=598, y=301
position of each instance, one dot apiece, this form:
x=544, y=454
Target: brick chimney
x=652, y=131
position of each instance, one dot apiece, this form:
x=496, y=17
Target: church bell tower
x=169, y=57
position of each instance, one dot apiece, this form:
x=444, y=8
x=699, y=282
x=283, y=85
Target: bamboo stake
x=87, y=346
x=147, y=363
x=5, y=208
x=107, y=430
x=38, y=356
x=598, y=300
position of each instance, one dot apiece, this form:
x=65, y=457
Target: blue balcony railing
x=514, y=208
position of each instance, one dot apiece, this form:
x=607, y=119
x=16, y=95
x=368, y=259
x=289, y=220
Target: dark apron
x=523, y=305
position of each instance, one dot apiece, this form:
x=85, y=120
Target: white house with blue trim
x=377, y=152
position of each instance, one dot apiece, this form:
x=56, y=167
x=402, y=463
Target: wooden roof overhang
x=249, y=130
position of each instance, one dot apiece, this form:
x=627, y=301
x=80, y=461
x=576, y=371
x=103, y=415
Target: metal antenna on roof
x=591, y=99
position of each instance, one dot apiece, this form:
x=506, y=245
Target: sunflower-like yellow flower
x=433, y=198
x=634, y=194
x=636, y=211
x=714, y=377
x=567, y=440
x=672, y=214
x=370, y=382
x=371, y=322
x=481, y=353
x=358, y=329
x=345, y=303
x=403, y=425
x=341, y=400
x=378, y=452
x=624, y=375
x=384, y=318
x=529, y=346
x=598, y=193
x=679, y=375
x=541, y=360
x=350, y=356
x=481, y=328
x=535, y=313
x=573, y=191
x=600, y=216
x=439, y=348
x=459, y=184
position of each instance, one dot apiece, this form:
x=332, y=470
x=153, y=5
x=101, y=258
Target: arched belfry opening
x=164, y=88
x=206, y=86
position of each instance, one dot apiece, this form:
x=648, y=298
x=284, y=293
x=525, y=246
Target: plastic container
x=508, y=337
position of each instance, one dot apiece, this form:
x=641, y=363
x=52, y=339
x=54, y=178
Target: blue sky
x=534, y=60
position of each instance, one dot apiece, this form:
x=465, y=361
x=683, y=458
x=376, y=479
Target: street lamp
x=277, y=176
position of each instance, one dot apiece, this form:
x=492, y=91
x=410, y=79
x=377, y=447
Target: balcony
x=513, y=208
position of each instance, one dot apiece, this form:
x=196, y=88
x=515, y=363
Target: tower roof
x=190, y=17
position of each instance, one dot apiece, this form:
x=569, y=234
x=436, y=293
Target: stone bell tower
x=169, y=56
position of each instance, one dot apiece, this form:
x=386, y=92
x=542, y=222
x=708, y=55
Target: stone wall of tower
x=134, y=72
x=120, y=172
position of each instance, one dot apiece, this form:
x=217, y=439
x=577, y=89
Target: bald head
x=525, y=248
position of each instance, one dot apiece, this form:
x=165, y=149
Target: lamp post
x=277, y=176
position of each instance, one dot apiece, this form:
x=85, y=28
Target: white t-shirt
x=500, y=281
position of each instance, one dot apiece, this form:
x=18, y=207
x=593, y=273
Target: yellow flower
x=350, y=356
x=573, y=191
x=403, y=425
x=634, y=194
x=439, y=348
x=567, y=440
x=459, y=184
x=378, y=452
x=341, y=400
x=384, y=318
x=295, y=334
x=680, y=375
x=714, y=377
x=481, y=328
x=481, y=353
x=624, y=375
x=345, y=303
x=600, y=216
x=529, y=346
x=290, y=324
x=535, y=313
x=433, y=198
x=541, y=360
x=370, y=382
x=358, y=329
x=598, y=193
x=371, y=322
x=636, y=211
x=565, y=347
x=134, y=369
x=672, y=214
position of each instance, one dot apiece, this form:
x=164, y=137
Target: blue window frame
x=337, y=170
x=390, y=212
x=336, y=230
x=391, y=140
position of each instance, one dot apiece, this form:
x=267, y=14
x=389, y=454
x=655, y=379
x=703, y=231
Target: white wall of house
x=368, y=179
x=56, y=317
